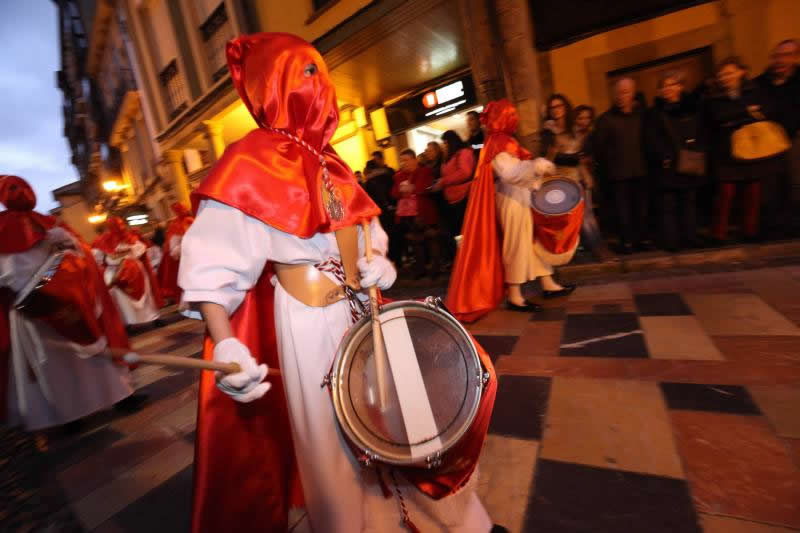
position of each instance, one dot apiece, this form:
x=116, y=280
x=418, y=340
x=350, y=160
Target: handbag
x=690, y=162
x=759, y=140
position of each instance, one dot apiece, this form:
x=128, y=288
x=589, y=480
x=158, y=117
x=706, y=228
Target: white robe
x=69, y=383
x=141, y=311
x=223, y=255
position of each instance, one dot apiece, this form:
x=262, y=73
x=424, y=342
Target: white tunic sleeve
x=222, y=255
x=175, y=246
x=514, y=171
x=99, y=256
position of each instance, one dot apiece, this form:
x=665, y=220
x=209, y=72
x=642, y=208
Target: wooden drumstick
x=379, y=347
x=177, y=361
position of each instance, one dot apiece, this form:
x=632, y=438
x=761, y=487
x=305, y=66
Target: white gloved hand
x=60, y=237
x=244, y=386
x=380, y=271
x=543, y=167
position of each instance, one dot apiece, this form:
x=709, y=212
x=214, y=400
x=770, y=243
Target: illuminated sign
x=432, y=104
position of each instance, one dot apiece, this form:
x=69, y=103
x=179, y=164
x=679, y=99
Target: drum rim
x=41, y=278
x=337, y=375
x=559, y=178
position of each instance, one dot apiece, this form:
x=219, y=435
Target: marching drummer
x=55, y=377
x=504, y=179
x=168, y=272
x=123, y=255
x=270, y=262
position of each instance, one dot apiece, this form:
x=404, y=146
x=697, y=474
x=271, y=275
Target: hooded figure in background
x=490, y=255
x=168, y=271
x=128, y=272
x=50, y=337
x=280, y=201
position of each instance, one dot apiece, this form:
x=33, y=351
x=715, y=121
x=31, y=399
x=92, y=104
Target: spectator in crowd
x=781, y=85
x=673, y=124
x=738, y=102
x=619, y=152
x=560, y=144
x=360, y=177
x=475, y=132
x=434, y=159
x=378, y=186
x=584, y=122
x=457, y=171
x=416, y=216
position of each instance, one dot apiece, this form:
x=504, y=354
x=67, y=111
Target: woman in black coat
x=673, y=124
x=732, y=105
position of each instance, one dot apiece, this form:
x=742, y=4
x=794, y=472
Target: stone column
x=175, y=160
x=515, y=28
x=213, y=133
x=482, y=49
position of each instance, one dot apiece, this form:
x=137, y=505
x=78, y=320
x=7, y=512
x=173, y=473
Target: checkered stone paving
x=646, y=406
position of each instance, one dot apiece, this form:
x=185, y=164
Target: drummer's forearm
x=219, y=325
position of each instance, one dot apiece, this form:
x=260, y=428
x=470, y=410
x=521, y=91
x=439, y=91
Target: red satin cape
x=476, y=282
x=273, y=179
x=245, y=475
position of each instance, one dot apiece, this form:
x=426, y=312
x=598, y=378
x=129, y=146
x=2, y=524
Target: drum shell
x=67, y=300
x=556, y=236
x=454, y=464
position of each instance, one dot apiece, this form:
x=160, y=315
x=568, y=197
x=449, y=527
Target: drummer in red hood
x=124, y=256
x=54, y=373
x=268, y=241
x=171, y=253
x=504, y=179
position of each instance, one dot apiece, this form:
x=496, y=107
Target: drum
x=64, y=294
x=435, y=382
x=557, y=218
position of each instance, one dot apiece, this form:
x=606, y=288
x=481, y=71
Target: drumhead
x=433, y=384
x=557, y=196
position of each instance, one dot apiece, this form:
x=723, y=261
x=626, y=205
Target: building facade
x=404, y=70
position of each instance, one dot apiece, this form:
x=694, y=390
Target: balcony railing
x=174, y=87
x=216, y=31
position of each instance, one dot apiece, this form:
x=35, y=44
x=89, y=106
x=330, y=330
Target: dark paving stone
x=497, y=345
x=167, y=507
x=549, y=314
x=190, y=437
x=66, y=451
x=718, y=398
x=661, y=304
x=520, y=407
x=579, y=328
x=607, y=308
x=162, y=388
x=570, y=498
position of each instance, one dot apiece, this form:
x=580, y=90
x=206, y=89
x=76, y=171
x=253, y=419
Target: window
x=174, y=88
x=216, y=30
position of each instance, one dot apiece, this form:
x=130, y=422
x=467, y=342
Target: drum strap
x=403, y=508
x=335, y=267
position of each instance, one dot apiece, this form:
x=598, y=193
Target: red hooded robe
x=245, y=472
x=476, y=283
x=116, y=233
x=22, y=228
x=168, y=270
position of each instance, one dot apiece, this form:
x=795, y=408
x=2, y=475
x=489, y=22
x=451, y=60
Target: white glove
x=543, y=167
x=244, y=386
x=60, y=237
x=380, y=271
x=175, y=247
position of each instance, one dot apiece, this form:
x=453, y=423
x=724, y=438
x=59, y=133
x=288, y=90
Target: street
x=658, y=405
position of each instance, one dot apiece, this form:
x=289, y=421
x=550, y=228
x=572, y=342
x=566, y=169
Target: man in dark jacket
x=780, y=84
x=617, y=146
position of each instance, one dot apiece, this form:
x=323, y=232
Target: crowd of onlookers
x=671, y=175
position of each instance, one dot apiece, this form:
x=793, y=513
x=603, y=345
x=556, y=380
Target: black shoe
x=131, y=404
x=529, y=307
x=499, y=529
x=565, y=291
x=158, y=323
x=624, y=249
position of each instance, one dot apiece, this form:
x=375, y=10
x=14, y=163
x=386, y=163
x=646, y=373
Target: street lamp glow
x=97, y=219
x=111, y=185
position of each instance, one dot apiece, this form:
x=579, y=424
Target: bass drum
x=557, y=218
